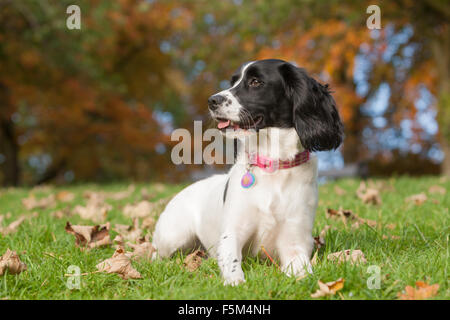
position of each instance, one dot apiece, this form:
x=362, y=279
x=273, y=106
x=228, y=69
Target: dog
x=259, y=204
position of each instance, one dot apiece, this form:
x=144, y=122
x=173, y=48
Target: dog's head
x=275, y=93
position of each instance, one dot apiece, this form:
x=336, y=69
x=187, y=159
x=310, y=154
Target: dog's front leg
x=229, y=257
x=295, y=244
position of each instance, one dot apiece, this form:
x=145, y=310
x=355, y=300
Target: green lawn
x=420, y=253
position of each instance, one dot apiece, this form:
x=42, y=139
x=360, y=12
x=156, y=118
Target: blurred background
x=99, y=103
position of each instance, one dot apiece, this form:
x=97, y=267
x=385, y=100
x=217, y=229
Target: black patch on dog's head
x=316, y=118
x=275, y=93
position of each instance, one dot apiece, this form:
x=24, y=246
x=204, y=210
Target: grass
x=421, y=252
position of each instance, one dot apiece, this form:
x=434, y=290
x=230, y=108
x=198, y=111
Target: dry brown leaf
x=147, y=195
x=417, y=199
x=65, y=196
x=344, y=215
x=120, y=264
x=159, y=187
x=339, y=191
x=31, y=202
x=148, y=223
x=11, y=263
x=315, y=258
x=102, y=195
x=368, y=195
x=140, y=210
x=385, y=237
x=193, y=261
x=352, y=256
x=319, y=242
x=328, y=288
x=390, y=226
x=90, y=236
x=361, y=221
x=119, y=241
x=324, y=231
x=422, y=291
x=143, y=250
x=122, y=194
x=129, y=233
x=437, y=189
x=12, y=227
x=95, y=210
x=60, y=214
x=348, y=215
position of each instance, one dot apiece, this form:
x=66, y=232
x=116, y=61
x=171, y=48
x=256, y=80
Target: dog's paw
x=233, y=281
x=298, y=268
x=233, y=278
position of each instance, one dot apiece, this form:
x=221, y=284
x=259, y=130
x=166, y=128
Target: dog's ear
x=315, y=117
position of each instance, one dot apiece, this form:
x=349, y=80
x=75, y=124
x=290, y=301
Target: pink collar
x=271, y=165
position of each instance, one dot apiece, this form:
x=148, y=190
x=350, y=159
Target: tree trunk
x=8, y=140
x=445, y=169
x=11, y=169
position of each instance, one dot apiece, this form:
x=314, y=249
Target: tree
x=83, y=101
x=327, y=38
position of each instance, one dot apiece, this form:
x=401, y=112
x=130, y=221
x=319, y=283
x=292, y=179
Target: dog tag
x=248, y=180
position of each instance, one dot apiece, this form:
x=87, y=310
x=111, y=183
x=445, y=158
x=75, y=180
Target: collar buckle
x=267, y=164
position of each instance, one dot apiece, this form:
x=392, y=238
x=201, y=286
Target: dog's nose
x=215, y=101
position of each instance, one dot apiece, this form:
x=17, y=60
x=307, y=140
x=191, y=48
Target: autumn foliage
x=99, y=103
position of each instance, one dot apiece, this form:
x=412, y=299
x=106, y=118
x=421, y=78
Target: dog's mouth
x=224, y=124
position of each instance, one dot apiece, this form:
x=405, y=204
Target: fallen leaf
x=140, y=210
x=102, y=195
x=324, y=231
x=315, y=258
x=339, y=191
x=193, y=261
x=159, y=187
x=60, y=214
x=31, y=202
x=122, y=194
x=342, y=214
x=119, y=263
x=422, y=291
x=319, y=242
x=352, y=256
x=391, y=226
x=12, y=227
x=96, y=209
x=130, y=233
x=361, y=221
x=328, y=288
x=368, y=195
x=146, y=195
x=90, y=236
x=385, y=237
x=148, y=223
x=437, y=189
x=142, y=250
x=65, y=196
x=11, y=263
x=417, y=199
x=348, y=215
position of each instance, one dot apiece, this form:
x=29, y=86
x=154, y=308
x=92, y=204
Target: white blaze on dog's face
x=226, y=109
x=276, y=94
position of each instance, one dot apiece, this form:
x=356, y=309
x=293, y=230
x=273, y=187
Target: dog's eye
x=254, y=83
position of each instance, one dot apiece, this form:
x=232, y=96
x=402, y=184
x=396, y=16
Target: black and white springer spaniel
x=266, y=199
